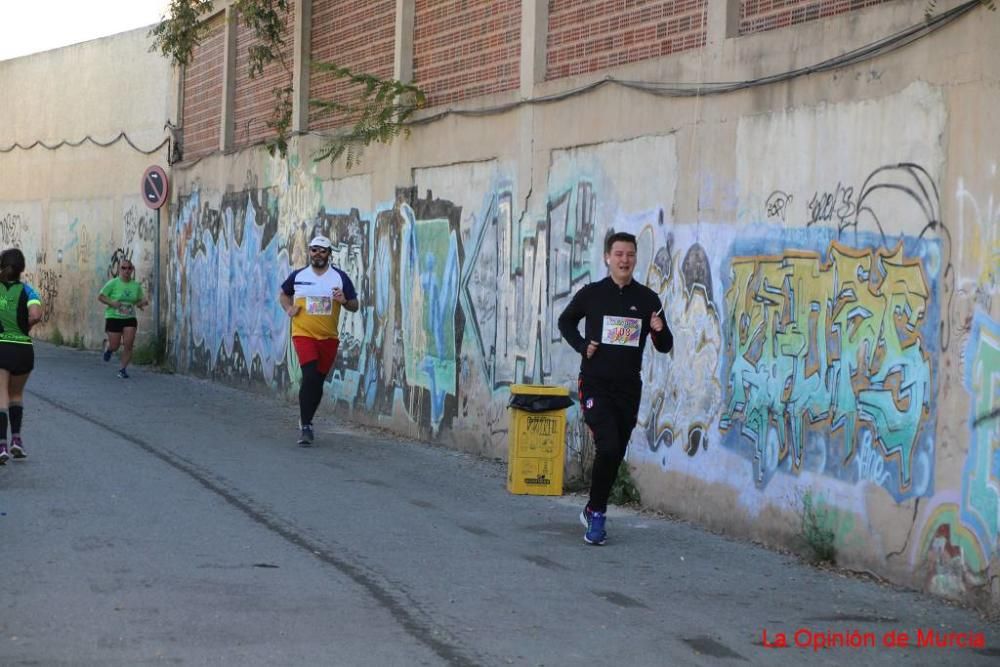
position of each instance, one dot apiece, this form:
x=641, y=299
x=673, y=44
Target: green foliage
x=182, y=29
x=267, y=20
x=624, y=491
x=176, y=35
x=381, y=110
x=151, y=353
x=281, y=121
x=57, y=338
x=815, y=531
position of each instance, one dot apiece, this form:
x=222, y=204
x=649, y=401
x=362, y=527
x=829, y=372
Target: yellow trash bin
x=537, y=439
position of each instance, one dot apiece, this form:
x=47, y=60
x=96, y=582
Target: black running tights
x=310, y=392
x=610, y=409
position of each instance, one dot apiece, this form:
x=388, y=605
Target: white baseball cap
x=320, y=242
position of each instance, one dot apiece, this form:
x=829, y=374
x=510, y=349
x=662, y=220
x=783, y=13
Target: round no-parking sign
x=154, y=187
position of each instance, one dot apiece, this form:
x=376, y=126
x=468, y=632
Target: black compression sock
x=16, y=415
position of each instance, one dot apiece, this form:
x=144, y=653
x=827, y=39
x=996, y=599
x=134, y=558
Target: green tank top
x=11, y=324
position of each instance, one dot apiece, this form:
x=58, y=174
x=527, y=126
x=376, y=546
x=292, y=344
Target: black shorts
x=17, y=359
x=118, y=324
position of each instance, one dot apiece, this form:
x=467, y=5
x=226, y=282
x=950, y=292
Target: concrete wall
x=826, y=247
x=76, y=211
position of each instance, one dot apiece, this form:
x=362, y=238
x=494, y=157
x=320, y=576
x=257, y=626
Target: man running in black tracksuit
x=619, y=313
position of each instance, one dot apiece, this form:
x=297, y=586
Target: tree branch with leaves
x=379, y=113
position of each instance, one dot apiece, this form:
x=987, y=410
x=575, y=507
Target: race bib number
x=319, y=305
x=127, y=310
x=621, y=331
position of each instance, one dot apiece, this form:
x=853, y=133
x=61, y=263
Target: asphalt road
x=165, y=519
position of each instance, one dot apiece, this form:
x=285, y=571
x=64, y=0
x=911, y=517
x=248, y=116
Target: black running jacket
x=617, y=318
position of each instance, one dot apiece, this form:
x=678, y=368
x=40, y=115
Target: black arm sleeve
x=569, y=323
x=663, y=341
x=22, y=312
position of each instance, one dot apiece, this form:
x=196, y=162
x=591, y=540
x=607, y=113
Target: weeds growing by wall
x=151, y=353
x=818, y=538
x=624, y=491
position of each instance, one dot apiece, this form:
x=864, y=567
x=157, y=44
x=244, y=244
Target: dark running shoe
x=594, y=521
x=107, y=355
x=17, y=448
x=123, y=374
x=3, y=453
x=306, y=435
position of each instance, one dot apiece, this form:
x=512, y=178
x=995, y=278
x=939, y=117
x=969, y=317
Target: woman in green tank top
x=20, y=309
x=122, y=295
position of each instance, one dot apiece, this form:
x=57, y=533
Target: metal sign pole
x=156, y=282
x=155, y=190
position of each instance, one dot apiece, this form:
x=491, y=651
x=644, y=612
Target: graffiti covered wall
x=69, y=190
x=810, y=316
x=72, y=248
x=828, y=272
x=827, y=249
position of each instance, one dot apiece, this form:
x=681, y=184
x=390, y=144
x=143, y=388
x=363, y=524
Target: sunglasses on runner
x=128, y=268
x=318, y=249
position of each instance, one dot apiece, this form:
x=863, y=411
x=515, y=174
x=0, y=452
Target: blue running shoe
x=123, y=374
x=594, y=521
x=306, y=435
x=107, y=355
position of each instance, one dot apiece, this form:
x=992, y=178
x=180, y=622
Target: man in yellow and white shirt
x=313, y=297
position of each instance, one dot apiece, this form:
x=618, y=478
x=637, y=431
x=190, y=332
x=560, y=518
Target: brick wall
x=466, y=48
x=461, y=49
x=352, y=34
x=761, y=15
x=203, y=93
x=253, y=99
x=588, y=35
